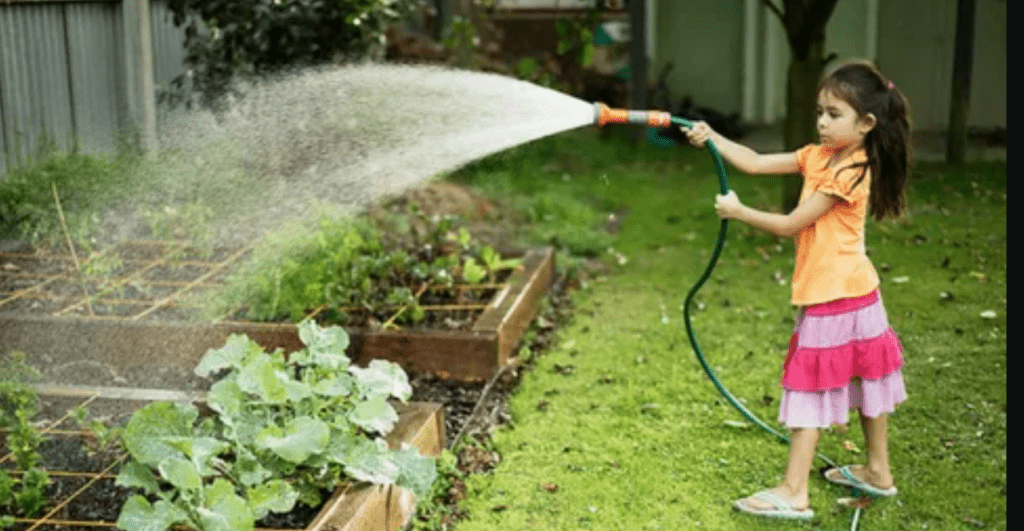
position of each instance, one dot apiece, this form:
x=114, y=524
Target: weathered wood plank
x=514, y=311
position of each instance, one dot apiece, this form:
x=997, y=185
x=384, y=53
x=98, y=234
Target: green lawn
x=617, y=427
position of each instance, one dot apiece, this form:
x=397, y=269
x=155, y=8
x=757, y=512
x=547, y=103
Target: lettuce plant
x=284, y=430
x=19, y=404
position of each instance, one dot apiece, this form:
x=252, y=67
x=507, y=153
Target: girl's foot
x=756, y=503
x=860, y=477
x=772, y=504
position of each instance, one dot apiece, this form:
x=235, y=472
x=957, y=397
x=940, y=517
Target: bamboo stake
x=71, y=245
x=85, y=487
x=391, y=322
x=170, y=298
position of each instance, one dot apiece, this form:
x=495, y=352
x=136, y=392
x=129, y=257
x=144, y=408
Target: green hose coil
x=656, y=119
x=723, y=186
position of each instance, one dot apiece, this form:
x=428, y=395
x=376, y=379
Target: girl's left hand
x=728, y=205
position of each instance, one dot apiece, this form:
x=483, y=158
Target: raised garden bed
x=83, y=496
x=128, y=318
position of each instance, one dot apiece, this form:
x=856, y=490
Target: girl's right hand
x=699, y=134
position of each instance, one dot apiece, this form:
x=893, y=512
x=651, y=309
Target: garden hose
x=605, y=115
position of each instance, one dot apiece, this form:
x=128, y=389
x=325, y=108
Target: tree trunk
x=445, y=12
x=805, y=22
x=638, y=61
x=801, y=101
x=637, y=54
x=960, y=102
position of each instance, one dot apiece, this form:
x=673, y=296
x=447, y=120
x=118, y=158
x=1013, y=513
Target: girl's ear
x=867, y=123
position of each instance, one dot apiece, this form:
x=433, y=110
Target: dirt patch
x=488, y=221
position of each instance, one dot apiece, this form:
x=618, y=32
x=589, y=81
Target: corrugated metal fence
x=63, y=72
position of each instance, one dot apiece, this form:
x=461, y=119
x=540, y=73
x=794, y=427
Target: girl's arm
x=783, y=225
x=742, y=157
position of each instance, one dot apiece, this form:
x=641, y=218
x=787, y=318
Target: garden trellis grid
x=131, y=280
x=136, y=305
x=56, y=515
x=136, y=280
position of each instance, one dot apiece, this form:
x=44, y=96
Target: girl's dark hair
x=888, y=145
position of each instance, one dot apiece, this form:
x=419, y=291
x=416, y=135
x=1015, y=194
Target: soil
x=472, y=410
x=486, y=220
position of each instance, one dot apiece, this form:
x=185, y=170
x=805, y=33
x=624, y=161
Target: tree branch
x=796, y=20
x=805, y=22
x=819, y=11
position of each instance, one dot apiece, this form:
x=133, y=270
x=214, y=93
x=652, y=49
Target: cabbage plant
x=283, y=430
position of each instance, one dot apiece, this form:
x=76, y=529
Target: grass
x=617, y=427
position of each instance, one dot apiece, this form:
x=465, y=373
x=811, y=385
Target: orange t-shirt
x=831, y=262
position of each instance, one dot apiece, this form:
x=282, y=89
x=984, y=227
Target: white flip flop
x=847, y=479
x=780, y=508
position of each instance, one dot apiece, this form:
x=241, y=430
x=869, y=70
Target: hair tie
x=890, y=85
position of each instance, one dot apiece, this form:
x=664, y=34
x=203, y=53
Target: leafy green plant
x=461, y=37
x=576, y=37
x=531, y=69
x=283, y=431
x=371, y=267
x=229, y=38
x=18, y=405
x=85, y=182
x=434, y=511
x=101, y=435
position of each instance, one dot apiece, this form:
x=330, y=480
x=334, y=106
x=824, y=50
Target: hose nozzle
x=605, y=115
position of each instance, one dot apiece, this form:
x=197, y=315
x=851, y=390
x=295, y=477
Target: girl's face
x=839, y=126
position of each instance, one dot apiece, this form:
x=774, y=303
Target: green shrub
x=84, y=183
x=229, y=38
x=356, y=263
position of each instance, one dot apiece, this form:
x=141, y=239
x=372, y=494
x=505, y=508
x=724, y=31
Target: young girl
x=843, y=354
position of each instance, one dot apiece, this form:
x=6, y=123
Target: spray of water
x=344, y=136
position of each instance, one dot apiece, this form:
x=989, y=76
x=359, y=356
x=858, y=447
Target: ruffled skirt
x=843, y=355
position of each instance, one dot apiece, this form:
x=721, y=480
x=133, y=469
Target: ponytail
x=888, y=144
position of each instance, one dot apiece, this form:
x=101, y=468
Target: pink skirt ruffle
x=821, y=409
x=842, y=355
x=837, y=341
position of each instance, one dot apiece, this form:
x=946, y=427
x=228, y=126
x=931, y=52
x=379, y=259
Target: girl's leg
x=794, y=487
x=876, y=438
x=802, y=444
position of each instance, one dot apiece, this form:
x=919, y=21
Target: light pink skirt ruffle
x=821, y=409
x=843, y=355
